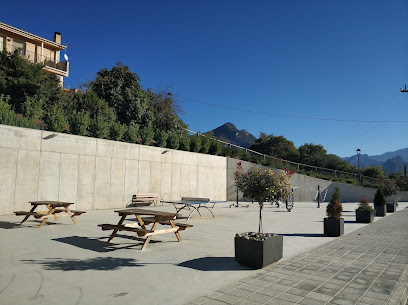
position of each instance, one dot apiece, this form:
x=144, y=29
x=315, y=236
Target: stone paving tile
x=319, y=296
x=310, y=301
x=260, y=298
x=289, y=297
x=297, y=291
x=280, y=302
x=250, y=287
x=270, y=292
x=372, y=301
x=240, y=292
x=247, y=302
x=227, y=298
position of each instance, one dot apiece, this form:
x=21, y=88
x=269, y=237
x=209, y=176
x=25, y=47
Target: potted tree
x=364, y=213
x=380, y=204
x=333, y=223
x=260, y=249
x=389, y=188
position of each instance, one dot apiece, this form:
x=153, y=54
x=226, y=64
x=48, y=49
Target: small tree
x=173, y=141
x=32, y=108
x=195, y=143
x=132, y=132
x=215, y=147
x=261, y=184
x=379, y=198
x=185, y=142
x=161, y=138
x=56, y=120
x=364, y=206
x=334, y=209
x=116, y=131
x=205, y=144
x=79, y=122
x=146, y=134
x=98, y=127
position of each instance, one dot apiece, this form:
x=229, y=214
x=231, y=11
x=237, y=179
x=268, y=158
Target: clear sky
x=262, y=65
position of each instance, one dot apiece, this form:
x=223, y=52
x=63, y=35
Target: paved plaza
x=63, y=263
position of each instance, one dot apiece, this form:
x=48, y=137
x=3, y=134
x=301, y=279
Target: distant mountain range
x=230, y=133
x=391, y=161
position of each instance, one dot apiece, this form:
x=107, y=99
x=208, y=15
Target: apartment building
x=36, y=49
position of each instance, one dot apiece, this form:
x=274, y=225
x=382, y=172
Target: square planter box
x=380, y=210
x=391, y=207
x=364, y=217
x=258, y=254
x=333, y=227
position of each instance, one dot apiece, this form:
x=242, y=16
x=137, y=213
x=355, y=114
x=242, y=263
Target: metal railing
x=311, y=170
x=37, y=58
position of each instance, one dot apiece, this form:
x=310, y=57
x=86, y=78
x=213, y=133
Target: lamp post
x=358, y=163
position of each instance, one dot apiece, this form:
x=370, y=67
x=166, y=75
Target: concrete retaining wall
x=307, y=187
x=98, y=174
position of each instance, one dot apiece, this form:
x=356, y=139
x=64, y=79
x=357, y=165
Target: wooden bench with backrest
x=145, y=199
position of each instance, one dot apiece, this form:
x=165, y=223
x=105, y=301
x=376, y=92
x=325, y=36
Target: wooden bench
x=74, y=212
x=145, y=199
x=35, y=214
x=140, y=232
x=182, y=226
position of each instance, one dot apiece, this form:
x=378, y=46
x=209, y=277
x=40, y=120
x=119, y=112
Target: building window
x=17, y=45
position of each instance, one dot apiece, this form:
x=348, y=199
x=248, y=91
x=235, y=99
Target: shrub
x=98, y=127
x=364, y=206
x=56, y=120
x=33, y=109
x=116, y=131
x=161, y=138
x=146, y=133
x=205, y=145
x=379, y=198
x=215, y=147
x=195, y=143
x=132, y=132
x=185, y=142
x=173, y=141
x=79, y=122
x=334, y=209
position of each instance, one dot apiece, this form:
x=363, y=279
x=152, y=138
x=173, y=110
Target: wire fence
x=310, y=170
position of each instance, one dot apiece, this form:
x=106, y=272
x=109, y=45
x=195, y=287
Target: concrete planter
x=364, y=217
x=380, y=210
x=258, y=254
x=333, y=227
x=391, y=207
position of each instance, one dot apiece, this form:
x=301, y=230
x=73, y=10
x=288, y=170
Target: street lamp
x=358, y=163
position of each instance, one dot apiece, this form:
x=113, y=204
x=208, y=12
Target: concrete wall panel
x=49, y=176
x=144, y=177
x=68, y=180
x=20, y=138
x=8, y=172
x=102, y=183
x=67, y=144
x=149, y=153
x=166, y=171
x=131, y=179
x=175, y=182
x=155, y=177
x=28, y=167
x=117, y=184
x=86, y=182
x=113, y=149
x=185, y=181
x=193, y=180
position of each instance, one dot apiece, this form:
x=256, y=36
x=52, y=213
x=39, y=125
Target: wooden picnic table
x=56, y=209
x=155, y=218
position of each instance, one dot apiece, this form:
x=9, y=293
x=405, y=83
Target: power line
x=293, y=116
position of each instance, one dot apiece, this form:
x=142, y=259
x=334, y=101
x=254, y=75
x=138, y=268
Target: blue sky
x=262, y=65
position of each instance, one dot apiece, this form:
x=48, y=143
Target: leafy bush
x=173, y=141
x=33, y=109
x=132, y=132
x=379, y=198
x=215, y=147
x=116, y=131
x=205, y=145
x=185, y=142
x=195, y=144
x=161, y=138
x=364, y=206
x=98, y=128
x=146, y=134
x=56, y=120
x=79, y=122
x=334, y=209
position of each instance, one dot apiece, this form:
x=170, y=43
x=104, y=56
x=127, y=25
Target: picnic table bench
x=145, y=199
x=194, y=204
x=154, y=218
x=56, y=209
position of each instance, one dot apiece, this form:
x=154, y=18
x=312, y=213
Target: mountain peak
x=232, y=134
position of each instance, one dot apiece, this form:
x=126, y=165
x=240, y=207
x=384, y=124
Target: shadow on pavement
x=96, y=263
x=214, y=264
x=9, y=225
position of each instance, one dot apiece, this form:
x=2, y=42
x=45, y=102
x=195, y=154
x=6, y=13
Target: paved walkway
x=368, y=266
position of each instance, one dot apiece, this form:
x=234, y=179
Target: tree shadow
x=96, y=263
x=214, y=264
x=304, y=234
